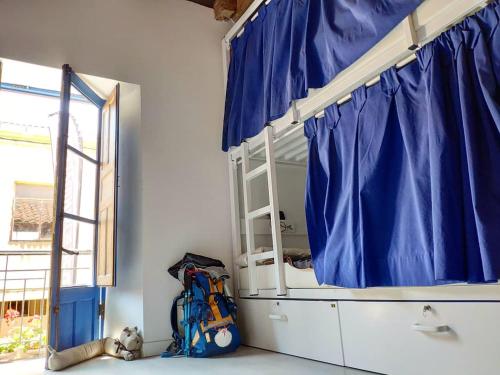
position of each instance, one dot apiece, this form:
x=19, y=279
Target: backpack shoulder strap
x=174, y=319
x=175, y=347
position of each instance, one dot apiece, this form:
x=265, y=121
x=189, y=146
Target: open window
x=84, y=240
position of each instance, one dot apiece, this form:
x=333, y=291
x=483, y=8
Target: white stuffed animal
x=128, y=346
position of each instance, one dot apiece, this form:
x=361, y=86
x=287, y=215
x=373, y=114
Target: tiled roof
x=33, y=211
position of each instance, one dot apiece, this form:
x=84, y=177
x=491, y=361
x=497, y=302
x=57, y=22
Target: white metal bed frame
x=430, y=19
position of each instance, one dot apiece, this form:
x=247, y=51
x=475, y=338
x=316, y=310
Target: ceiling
x=206, y=3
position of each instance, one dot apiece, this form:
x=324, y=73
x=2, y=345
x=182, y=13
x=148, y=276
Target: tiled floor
x=244, y=361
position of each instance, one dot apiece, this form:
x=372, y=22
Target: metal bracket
x=411, y=33
x=427, y=309
x=101, y=309
x=295, y=113
x=70, y=252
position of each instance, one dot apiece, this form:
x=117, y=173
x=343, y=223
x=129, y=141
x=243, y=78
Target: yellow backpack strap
x=211, y=301
x=220, y=286
x=196, y=338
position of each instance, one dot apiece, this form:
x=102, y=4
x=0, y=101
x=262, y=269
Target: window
x=32, y=212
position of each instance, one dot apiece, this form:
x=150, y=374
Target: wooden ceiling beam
x=206, y=3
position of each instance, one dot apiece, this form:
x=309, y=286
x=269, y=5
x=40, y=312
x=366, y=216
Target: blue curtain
x=296, y=45
x=403, y=185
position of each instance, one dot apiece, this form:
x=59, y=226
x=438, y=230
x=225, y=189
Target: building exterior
x=26, y=202
x=28, y=133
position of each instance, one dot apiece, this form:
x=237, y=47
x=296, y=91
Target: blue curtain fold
x=403, y=183
x=293, y=46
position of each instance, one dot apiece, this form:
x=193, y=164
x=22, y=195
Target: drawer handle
x=430, y=329
x=278, y=317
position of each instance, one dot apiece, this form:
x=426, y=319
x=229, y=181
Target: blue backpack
x=209, y=318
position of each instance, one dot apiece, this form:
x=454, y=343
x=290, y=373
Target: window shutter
x=108, y=186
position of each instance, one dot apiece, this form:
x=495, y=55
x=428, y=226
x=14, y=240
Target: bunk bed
x=285, y=309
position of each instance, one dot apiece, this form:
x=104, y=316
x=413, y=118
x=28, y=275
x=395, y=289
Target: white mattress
x=295, y=278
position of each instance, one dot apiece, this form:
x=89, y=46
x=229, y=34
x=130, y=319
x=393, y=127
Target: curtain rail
x=429, y=20
x=239, y=25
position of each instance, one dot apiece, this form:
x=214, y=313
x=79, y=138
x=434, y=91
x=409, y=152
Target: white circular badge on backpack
x=223, y=338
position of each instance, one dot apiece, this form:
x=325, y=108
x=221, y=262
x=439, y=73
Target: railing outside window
x=24, y=307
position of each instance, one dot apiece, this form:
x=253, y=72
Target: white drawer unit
x=308, y=329
x=406, y=338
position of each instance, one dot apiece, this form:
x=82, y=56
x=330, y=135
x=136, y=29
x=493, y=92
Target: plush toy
x=128, y=347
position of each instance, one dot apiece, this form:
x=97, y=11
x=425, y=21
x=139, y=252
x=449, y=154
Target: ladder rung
x=256, y=172
x=262, y=256
x=259, y=213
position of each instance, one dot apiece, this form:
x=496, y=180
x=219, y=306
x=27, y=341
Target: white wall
x=124, y=305
x=291, y=182
x=178, y=174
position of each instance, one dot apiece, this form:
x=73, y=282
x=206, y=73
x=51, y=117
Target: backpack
x=209, y=317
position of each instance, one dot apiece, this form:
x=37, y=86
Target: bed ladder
x=268, y=167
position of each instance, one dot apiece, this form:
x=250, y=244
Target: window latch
x=70, y=252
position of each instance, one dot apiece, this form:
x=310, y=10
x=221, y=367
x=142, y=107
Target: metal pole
x=4, y=287
x=235, y=220
x=42, y=307
x=22, y=313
